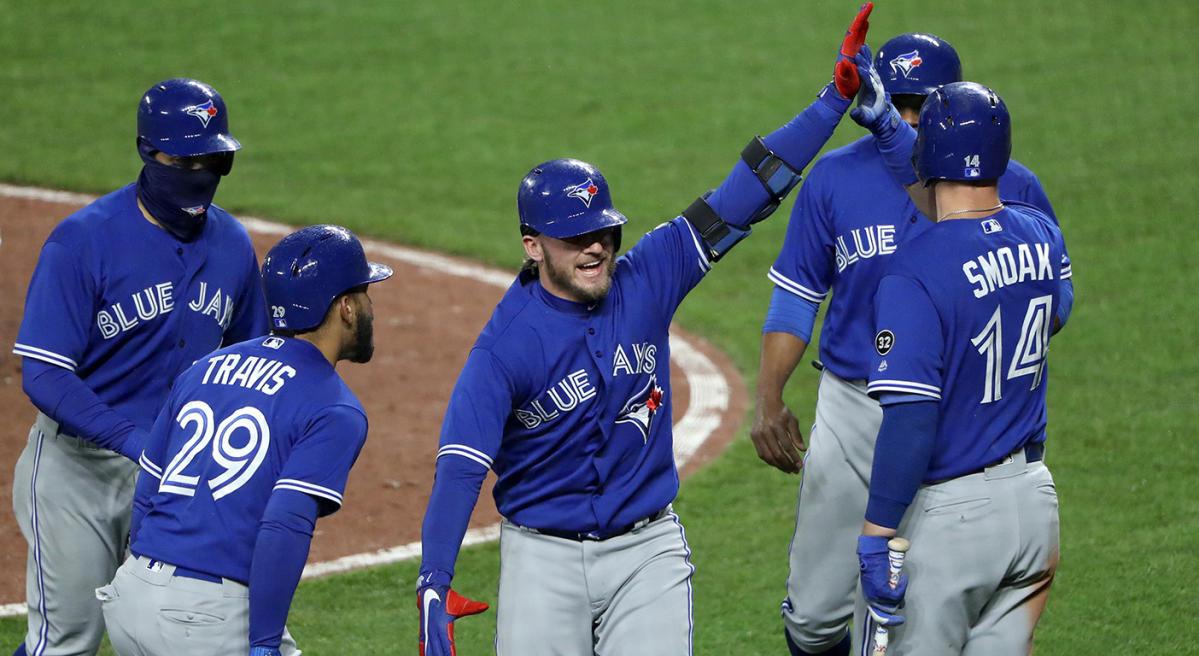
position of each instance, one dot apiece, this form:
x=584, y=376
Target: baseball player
x=964, y=316
x=852, y=215
x=127, y=293
x=566, y=395
x=255, y=442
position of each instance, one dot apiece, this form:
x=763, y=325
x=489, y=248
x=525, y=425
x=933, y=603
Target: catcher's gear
x=307, y=269
x=882, y=600
x=184, y=118
x=439, y=606
x=565, y=198
x=845, y=73
x=917, y=64
x=965, y=134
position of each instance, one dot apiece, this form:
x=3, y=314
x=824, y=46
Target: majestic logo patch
x=906, y=62
x=584, y=192
x=882, y=366
x=883, y=342
x=204, y=112
x=641, y=408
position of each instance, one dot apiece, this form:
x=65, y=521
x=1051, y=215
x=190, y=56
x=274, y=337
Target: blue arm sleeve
x=1067, y=303
x=741, y=195
x=279, y=554
x=456, y=488
x=65, y=398
x=146, y=485
x=789, y=313
x=901, y=456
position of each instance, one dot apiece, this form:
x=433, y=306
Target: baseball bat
x=897, y=548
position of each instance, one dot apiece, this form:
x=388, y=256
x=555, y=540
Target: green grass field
x=414, y=122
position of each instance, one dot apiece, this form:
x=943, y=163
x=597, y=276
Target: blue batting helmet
x=307, y=269
x=917, y=64
x=965, y=133
x=565, y=198
x=184, y=118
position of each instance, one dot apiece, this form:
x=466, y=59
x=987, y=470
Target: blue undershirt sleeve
x=739, y=198
x=284, y=537
x=901, y=456
x=456, y=488
x=65, y=398
x=789, y=313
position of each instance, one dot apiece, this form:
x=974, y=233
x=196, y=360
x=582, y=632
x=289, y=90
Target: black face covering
x=177, y=198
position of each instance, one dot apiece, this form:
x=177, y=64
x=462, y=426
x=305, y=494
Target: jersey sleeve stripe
x=904, y=386
x=465, y=452
x=695, y=239
x=1066, y=271
x=53, y=358
x=795, y=288
x=308, y=488
x=149, y=467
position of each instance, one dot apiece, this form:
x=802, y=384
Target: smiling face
x=576, y=268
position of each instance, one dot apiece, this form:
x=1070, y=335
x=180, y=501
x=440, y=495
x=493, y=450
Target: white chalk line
x=709, y=389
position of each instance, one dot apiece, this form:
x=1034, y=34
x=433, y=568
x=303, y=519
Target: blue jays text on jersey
x=126, y=306
x=264, y=415
x=850, y=214
x=570, y=404
x=940, y=318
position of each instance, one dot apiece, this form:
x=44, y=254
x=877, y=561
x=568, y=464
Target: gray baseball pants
x=629, y=594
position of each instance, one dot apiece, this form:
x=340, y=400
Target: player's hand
x=874, y=110
x=776, y=436
x=439, y=607
x=845, y=72
x=882, y=601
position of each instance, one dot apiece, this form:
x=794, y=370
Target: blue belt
x=583, y=536
x=1034, y=452
x=184, y=571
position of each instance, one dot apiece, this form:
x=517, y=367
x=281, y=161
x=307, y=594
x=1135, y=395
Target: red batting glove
x=439, y=607
x=845, y=72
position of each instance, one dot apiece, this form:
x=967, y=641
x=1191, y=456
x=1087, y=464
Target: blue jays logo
x=906, y=62
x=195, y=211
x=640, y=409
x=584, y=192
x=204, y=112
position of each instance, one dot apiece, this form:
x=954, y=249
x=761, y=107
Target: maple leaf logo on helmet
x=584, y=192
x=906, y=62
x=204, y=112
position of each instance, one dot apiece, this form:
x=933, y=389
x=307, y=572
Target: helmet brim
x=378, y=272
x=565, y=229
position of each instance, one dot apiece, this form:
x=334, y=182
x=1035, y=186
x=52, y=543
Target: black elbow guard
x=776, y=175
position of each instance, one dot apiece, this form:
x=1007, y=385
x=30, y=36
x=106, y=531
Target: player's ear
x=532, y=248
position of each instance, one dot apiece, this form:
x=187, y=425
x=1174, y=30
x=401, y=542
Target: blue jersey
x=849, y=218
x=127, y=306
x=964, y=314
x=263, y=415
x=570, y=405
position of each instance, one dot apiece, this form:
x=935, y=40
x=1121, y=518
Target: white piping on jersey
x=53, y=358
x=922, y=389
x=794, y=287
x=703, y=254
x=308, y=488
x=149, y=467
x=466, y=452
